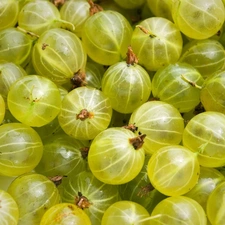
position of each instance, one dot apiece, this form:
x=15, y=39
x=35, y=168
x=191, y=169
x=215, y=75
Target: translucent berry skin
x=125, y=212
x=94, y=73
x=208, y=180
x=159, y=44
x=21, y=149
x=161, y=122
x=178, y=84
x=76, y=12
x=34, y=195
x=37, y=17
x=97, y=105
x=34, y=100
x=178, y=210
x=198, y=19
x=15, y=46
x=2, y=109
x=204, y=134
x=215, y=205
x=113, y=159
x=65, y=214
x=140, y=190
x=213, y=92
x=9, y=10
x=106, y=37
x=9, y=73
x=127, y=86
x=62, y=155
x=9, y=212
x=207, y=56
x=99, y=195
x=161, y=8
x=173, y=170
x=58, y=55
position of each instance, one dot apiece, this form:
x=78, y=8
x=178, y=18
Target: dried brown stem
x=84, y=152
x=131, y=57
x=84, y=114
x=44, y=46
x=57, y=180
x=145, y=190
x=58, y=3
x=138, y=141
x=78, y=79
x=131, y=127
x=81, y=201
x=94, y=8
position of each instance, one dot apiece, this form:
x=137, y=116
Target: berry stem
x=78, y=79
x=190, y=82
x=145, y=190
x=94, y=8
x=81, y=201
x=28, y=32
x=84, y=152
x=138, y=141
x=146, y=31
x=131, y=57
x=44, y=46
x=58, y=3
x=131, y=127
x=57, y=180
x=84, y=114
x=64, y=22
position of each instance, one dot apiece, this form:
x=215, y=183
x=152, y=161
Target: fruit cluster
x=112, y=112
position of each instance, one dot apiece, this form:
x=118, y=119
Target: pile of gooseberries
x=112, y=112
